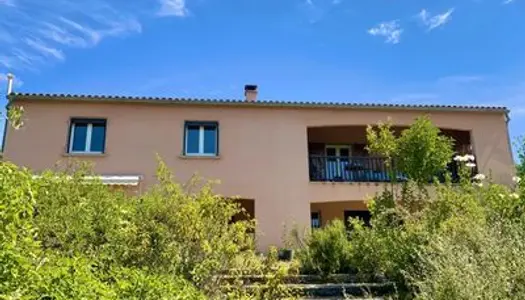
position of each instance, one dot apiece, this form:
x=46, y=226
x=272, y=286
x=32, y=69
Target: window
x=201, y=139
x=364, y=216
x=315, y=218
x=87, y=136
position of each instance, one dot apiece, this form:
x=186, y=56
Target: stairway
x=332, y=287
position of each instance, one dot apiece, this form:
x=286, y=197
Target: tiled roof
x=258, y=103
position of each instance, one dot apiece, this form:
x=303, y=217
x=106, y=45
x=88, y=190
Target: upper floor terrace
x=339, y=154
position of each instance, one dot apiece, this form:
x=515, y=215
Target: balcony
x=338, y=154
x=350, y=169
x=362, y=169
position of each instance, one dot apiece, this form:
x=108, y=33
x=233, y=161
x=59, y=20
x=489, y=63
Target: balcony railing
x=358, y=169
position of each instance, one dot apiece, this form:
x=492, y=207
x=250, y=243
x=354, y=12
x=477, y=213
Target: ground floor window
x=364, y=215
x=315, y=218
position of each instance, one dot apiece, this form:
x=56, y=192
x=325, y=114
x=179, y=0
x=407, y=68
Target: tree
x=14, y=116
x=420, y=152
x=423, y=151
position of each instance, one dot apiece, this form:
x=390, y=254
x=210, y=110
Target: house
x=289, y=162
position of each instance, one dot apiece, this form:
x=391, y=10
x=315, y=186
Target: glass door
x=337, y=158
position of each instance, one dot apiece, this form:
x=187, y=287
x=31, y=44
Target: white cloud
x=34, y=33
x=508, y=1
x=7, y=2
x=174, y=8
x=432, y=22
x=391, y=31
x=44, y=49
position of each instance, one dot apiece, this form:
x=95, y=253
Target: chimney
x=10, y=78
x=250, y=92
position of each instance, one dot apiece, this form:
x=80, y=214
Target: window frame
x=319, y=220
x=338, y=148
x=89, y=134
x=201, y=125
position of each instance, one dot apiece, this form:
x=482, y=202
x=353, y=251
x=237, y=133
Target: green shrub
x=447, y=241
x=488, y=265
x=75, y=217
x=419, y=152
x=462, y=242
x=19, y=252
x=61, y=277
x=62, y=237
x=327, y=250
x=133, y=283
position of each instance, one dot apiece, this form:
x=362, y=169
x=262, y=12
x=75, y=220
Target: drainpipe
x=507, y=120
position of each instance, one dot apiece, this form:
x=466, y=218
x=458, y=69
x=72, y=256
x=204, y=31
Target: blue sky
x=411, y=51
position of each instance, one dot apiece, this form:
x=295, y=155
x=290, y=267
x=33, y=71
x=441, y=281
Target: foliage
x=520, y=150
x=423, y=151
x=461, y=240
x=63, y=237
x=382, y=141
x=18, y=250
x=489, y=264
x=15, y=115
x=326, y=250
x=272, y=287
x=420, y=152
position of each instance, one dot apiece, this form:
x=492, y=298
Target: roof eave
x=230, y=102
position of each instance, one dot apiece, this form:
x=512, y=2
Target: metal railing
x=359, y=169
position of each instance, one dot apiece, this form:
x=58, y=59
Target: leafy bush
x=462, y=241
x=447, y=241
x=488, y=265
x=62, y=237
x=18, y=250
x=327, y=250
x=420, y=152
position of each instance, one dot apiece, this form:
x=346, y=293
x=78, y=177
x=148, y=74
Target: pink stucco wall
x=263, y=150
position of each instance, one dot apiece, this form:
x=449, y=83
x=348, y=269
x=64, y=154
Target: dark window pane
x=344, y=152
x=192, y=139
x=315, y=218
x=365, y=216
x=98, y=137
x=79, y=137
x=210, y=139
x=330, y=151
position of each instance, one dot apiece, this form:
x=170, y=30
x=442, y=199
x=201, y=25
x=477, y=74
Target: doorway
x=337, y=159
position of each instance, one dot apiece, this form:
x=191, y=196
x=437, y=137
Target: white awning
x=130, y=180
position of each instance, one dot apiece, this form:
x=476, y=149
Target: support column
x=492, y=148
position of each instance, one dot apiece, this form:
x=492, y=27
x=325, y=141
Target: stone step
x=297, y=279
x=320, y=291
x=341, y=298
